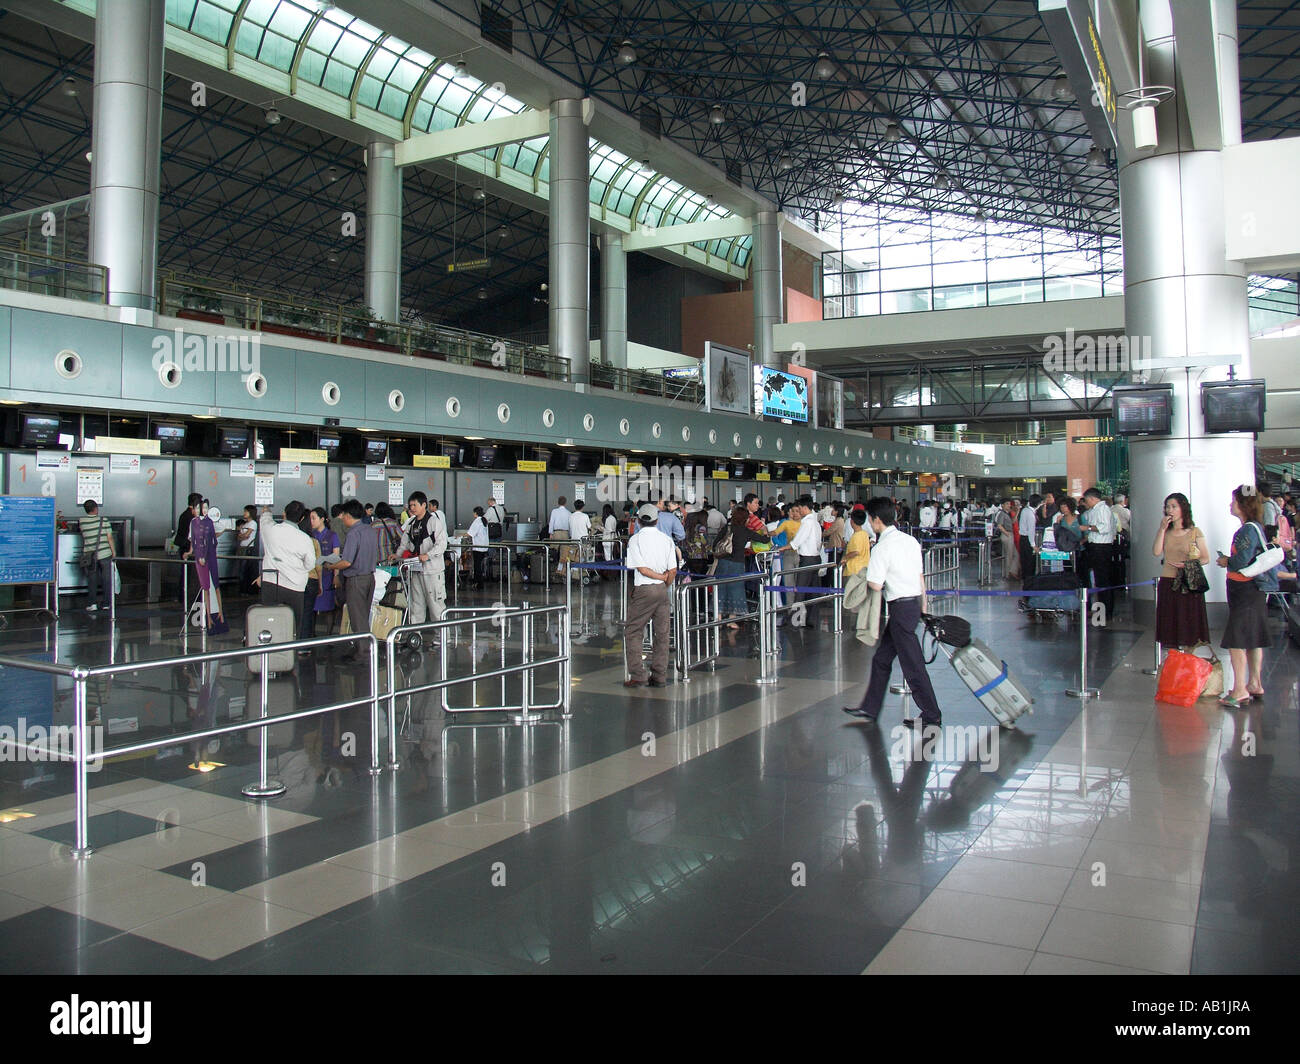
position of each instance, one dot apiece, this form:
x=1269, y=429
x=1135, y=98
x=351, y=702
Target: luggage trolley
x=1056, y=572
x=397, y=596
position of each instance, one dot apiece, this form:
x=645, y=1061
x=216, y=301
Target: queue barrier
x=264, y=788
x=768, y=613
x=528, y=711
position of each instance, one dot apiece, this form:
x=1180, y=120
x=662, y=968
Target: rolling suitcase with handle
x=279, y=621
x=979, y=668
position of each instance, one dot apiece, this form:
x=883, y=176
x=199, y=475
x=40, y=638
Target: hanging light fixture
x=892, y=133
x=941, y=181
x=1096, y=158
x=462, y=69
x=785, y=162
x=1143, y=100
x=480, y=195
x=1061, y=89
x=272, y=116
x=717, y=115
x=626, y=53
x=824, y=68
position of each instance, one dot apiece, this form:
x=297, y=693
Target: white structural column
x=1183, y=294
x=765, y=270
x=613, y=300
x=383, y=230
x=126, y=147
x=570, y=238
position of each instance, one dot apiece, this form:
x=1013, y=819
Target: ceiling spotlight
x=69, y=86
x=90, y=157
x=980, y=216
x=717, y=115
x=272, y=116
x=784, y=163
x=626, y=53
x=892, y=133
x=462, y=68
x=543, y=287
x=941, y=181
x=480, y=195
x=1061, y=88
x=482, y=293
x=824, y=68
x=332, y=173
x=1096, y=158
x=332, y=258
x=503, y=233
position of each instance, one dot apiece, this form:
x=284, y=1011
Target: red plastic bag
x=1182, y=678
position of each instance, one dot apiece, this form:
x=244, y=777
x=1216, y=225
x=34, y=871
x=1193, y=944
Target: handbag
x=1214, y=682
x=1191, y=579
x=1182, y=678
x=1268, y=557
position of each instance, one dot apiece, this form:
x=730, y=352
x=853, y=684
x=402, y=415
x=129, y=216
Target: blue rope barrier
x=597, y=565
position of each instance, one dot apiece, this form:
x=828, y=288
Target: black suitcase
x=1067, y=601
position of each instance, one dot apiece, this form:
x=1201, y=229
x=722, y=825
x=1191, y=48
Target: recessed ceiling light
x=626, y=53
x=824, y=68
x=717, y=115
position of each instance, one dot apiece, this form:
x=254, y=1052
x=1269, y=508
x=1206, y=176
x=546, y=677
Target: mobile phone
x=1220, y=554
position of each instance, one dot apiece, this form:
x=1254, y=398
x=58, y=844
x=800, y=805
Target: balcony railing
x=49, y=275
x=1046, y=434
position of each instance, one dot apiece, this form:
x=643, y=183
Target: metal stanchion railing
x=81, y=675
x=696, y=615
x=1155, y=670
x=529, y=665
x=264, y=787
x=1083, y=691
x=768, y=613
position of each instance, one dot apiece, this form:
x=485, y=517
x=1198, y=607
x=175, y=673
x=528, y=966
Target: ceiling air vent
x=651, y=123
x=496, y=28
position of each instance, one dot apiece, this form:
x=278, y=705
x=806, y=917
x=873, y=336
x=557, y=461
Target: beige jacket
x=866, y=602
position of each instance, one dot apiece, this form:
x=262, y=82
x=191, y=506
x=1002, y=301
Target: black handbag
x=1191, y=579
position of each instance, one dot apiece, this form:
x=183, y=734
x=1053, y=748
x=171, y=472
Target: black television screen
x=171, y=438
x=1144, y=411
x=376, y=452
x=487, y=457
x=452, y=451
x=40, y=430
x=1233, y=406
x=232, y=442
x=572, y=460
x=738, y=470
x=329, y=442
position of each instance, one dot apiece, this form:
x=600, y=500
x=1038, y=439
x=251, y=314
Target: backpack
x=698, y=544
x=723, y=545
x=1285, y=533
x=493, y=527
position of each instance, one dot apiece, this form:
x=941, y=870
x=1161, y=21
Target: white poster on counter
x=264, y=489
x=375, y=472
x=90, y=485
x=396, y=491
x=290, y=470
x=53, y=460
x=124, y=463
x=499, y=491
x=580, y=491
x=242, y=467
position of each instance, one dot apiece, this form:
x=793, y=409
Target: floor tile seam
x=1125, y=916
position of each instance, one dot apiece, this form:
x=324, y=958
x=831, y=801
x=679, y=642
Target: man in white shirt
x=653, y=560
x=896, y=568
x=579, y=526
x=807, y=546
x=478, y=536
x=425, y=535
x=288, y=556
x=928, y=514
x=1099, y=549
x=716, y=520
x=1028, y=538
x=557, y=528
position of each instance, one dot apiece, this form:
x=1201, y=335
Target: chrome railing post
x=80, y=783
x=837, y=605
x=391, y=643
x=264, y=788
x=764, y=637
x=375, y=770
x=1083, y=692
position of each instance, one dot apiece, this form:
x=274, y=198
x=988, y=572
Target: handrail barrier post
x=765, y=639
x=1083, y=692
x=1155, y=670
x=264, y=788
x=527, y=715
x=375, y=768
x=837, y=606
x=81, y=784
x=391, y=643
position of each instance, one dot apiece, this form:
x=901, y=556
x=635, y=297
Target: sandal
x=1228, y=702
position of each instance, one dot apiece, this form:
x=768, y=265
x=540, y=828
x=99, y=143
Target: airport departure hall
x=650, y=488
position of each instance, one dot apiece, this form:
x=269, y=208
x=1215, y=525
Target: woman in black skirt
x=1181, y=620
x=1246, y=634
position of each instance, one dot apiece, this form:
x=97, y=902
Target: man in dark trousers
x=653, y=561
x=357, y=569
x=896, y=570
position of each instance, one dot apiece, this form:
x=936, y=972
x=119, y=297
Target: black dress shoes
x=861, y=714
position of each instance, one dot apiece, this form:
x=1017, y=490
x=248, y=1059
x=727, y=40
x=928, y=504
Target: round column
x=570, y=239
x=126, y=148
x=766, y=275
x=383, y=230
x=613, y=300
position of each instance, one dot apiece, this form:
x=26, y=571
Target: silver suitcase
x=986, y=675
x=279, y=621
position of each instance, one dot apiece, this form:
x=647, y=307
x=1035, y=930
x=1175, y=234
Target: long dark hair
x=1183, y=505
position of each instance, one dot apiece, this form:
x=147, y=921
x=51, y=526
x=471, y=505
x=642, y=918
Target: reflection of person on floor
x=900, y=804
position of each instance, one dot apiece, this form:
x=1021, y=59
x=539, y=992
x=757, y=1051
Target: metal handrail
x=768, y=613
x=91, y=292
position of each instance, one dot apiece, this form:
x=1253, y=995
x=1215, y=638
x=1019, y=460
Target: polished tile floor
x=713, y=826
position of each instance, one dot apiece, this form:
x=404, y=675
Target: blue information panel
x=27, y=545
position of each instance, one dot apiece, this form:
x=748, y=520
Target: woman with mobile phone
x=1181, y=620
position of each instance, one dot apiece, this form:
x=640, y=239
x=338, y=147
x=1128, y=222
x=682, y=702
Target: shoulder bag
x=1267, y=558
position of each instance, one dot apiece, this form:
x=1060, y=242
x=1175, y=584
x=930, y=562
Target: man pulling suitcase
x=896, y=569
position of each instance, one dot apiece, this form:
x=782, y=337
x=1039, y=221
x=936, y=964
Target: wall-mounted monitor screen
x=1145, y=410
x=232, y=442
x=170, y=437
x=329, y=442
x=376, y=452
x=780, y=396
x=1233, y=406
x=572, y=461
x=40, y=430
x=487, y=458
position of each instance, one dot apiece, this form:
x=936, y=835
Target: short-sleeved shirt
x=96, y=535
x=653, y=550
x=1028, y=523
x=559, y=521
x=671, y=525
x=896, y=564
x=361, y=550
x=1100, y=517
x=855, y=562
x=579, y=524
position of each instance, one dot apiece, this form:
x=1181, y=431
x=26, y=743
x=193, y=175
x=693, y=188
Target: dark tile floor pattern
x=693, y=870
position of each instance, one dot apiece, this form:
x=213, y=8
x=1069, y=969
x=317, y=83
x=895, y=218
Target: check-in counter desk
x=68, y=572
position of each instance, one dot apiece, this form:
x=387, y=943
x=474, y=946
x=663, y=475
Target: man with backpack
x=425, y=535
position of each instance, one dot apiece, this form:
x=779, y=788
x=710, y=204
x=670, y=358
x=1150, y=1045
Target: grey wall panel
x=279, y=365
x=37, y=337
x=315, y=371
x=382, y=380
x=440, y=390
x=143, y=351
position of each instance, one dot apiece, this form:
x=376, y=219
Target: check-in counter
x=68, y=571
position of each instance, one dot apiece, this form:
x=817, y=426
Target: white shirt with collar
x=288, y=554
x=1104, y=521
x=1028, y=523
x=478, y=533
x=653, y=550
x=927, y=516
x=807, y=542
x=579, y=524
x=559, y=521
x=896, y=564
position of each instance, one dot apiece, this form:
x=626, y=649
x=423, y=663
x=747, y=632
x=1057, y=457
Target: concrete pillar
x=613, y=300
x=765, y=272
x=126, y=148
x=383, y=230
x=1188, y=300
x=570, y=239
